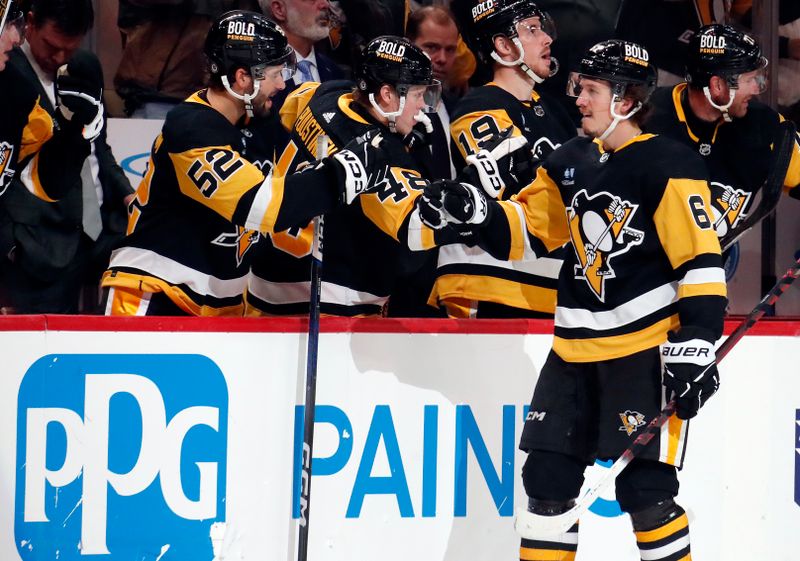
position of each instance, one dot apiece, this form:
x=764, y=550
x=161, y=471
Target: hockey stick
x=540, y=527
x=311, y=372
x=782, y=150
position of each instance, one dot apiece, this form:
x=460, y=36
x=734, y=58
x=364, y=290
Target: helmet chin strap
x=247, y=98
x=391, y=116
x=617, y=118
x=722, y=108
x=524, y=67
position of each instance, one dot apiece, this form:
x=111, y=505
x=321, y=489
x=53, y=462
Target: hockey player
x=513, y=37
x=641, y=285
x=203, y=204
x=370, y=244
x=32, y=144
x=716, y=114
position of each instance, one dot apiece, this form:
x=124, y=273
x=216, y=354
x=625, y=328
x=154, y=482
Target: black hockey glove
x=504, y=163
x=362, y=165
x=79, y=93
x=454, y=203
x=690, y=369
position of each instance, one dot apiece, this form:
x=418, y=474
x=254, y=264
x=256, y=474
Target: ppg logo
x=120, y=456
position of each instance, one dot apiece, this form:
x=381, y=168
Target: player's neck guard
x=617, y=118
x=721, y=108
x=247, y=98
x=524, y=67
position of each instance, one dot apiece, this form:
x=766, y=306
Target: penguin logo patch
x=242, y=239
x=600, y=229
x=6, y=167
x=631, y=421
x=727, y=206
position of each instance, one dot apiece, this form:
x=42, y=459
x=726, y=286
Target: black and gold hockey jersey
x=468, y=280
x=32, y=145
x=202, y=206
x=738, y=154
x=369, y=244
x=643, y=257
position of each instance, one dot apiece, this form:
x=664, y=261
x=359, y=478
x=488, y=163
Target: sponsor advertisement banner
x=161, y=446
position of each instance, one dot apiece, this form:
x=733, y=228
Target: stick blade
x=539, y=527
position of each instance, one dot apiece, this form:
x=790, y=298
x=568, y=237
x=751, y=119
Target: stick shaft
x=311, y=374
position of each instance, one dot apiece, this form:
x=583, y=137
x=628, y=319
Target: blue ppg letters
x=120, y=457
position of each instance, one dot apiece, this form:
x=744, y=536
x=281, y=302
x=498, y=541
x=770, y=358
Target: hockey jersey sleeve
x=532, y=223
x=686, y=232
x=49, y=152
x=791, y=183
x=220, y=178
x=469, y=131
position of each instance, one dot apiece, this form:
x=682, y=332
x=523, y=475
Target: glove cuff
x=353, y=176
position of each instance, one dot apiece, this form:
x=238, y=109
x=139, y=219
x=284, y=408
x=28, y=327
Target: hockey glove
x=79, y=93
x=362, y=165
x=462, y=203
x=690, y=369
x=503, y=163
x=430, y=206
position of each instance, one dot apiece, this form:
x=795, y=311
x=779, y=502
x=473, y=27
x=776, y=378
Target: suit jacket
x=328, y=70
x=46, y=236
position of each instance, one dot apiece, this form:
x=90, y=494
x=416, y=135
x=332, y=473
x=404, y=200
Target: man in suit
x=433, y=30
x=305, y=23
x=56, y=248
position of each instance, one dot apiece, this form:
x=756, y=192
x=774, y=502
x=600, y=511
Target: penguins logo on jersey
x=631, y=421
x=6, y=169
x=543, y=147
x=242, y=239
x=599, y=228
x=728, y=206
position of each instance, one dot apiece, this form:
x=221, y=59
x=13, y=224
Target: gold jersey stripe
x=146, y=283
x=706, y=289
x=461, y=287
x=534, y=554
x=615, y=346
x=673, y=527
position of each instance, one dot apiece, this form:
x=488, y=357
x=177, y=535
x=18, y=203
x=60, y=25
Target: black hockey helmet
x=621, y=63
x=249, y=40
x=11, y=14
x=392, y=60
x=721, y=50
x=399, y=63
x=480, y=21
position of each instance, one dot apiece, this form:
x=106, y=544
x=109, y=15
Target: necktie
x=304, y=66
x=92, y=222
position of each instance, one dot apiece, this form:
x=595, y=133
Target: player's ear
x=716, y=85
x=504, y=46
x=387, y=96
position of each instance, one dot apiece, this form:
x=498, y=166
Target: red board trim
x=768, y=326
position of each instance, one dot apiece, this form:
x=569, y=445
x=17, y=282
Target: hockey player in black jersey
x=370, y=244
x=716, y=114
x=34, y=146
x=512, y=37
x=205, y=202
x=641, y=298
